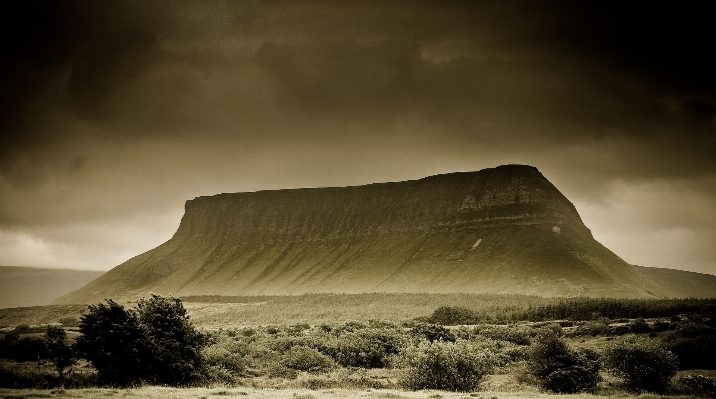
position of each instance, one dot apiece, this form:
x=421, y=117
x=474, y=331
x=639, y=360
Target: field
x=251, y=393
x=351, y=346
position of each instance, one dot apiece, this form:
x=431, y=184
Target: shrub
x=22, y=349
x=220, y=357
x=156, y=343
x=61, y=354
x=115, y=343
x=444, y=365
x=592, y=328
x=694, y=345
x=639, y=325
x=354, y=350
x=432, y=332
x=698, y=385
x=642, y=363
x=560, y=369
x=308, y=359
x=519, y=335
x=174, y=342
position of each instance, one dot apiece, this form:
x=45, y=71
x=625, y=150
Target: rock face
x=500, y=230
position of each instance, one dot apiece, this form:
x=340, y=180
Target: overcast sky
x=113, y=114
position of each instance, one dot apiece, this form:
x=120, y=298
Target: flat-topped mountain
x=500, y=230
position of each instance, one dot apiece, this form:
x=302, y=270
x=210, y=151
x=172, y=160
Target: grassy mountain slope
x=500, y=230
x=682, y=283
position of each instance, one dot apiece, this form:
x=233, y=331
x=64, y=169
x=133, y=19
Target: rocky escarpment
x=505, y=229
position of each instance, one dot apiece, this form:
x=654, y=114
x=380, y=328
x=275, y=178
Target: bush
x=61, y=354
x=694, y=345
x=174, y=342
x=444, y=365
x=308, y=359
x=115, y=343
x=519, y=335
x=560, y=369
x=639, y=326
x=642, y=363
x=698, y=385
x=23, y=349
x=432, y=332
x=156, y=343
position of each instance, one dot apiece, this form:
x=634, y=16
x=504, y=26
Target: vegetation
x=698, y=385
x=694, y=344
x=641, y=362
x=59, y=352
x=155, y=343
x=559, y=368
x=451, y=366
x=174, y=344
x=115, y=343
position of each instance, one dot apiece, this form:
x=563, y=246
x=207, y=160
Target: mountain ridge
x=503, y=229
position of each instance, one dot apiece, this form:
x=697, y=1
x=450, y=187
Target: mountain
x=29, y=286
x=500, y=230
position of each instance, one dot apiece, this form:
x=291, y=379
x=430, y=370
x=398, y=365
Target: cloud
x=113, y=111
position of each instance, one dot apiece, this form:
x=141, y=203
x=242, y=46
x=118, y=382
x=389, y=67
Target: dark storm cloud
x=112, y=111
x=568, y=72
x=64, y=58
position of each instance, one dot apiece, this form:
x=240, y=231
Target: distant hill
x=686, y=284
x=28, y=286
x=500, y=230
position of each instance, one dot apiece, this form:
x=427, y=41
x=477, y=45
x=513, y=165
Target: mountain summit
x=500, y=230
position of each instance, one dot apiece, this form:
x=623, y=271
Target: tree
x=155, y=343
x=642, y=363
x=61, y=354
x=174, y=342
x=115, y=343
x=560, y=369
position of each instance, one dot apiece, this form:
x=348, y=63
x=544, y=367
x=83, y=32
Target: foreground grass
x=246, y=393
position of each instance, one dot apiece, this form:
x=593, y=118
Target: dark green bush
x=520, y=335
x=451, y=366
x=23, y=349
x=432, y=332
x=156, y=343
x=639, y=326
x=698, y=385
x=60, y=352
x=591, y=328
x=641, y=362
x=115, y=343
x=560, y=369
x=694, y=344
x=354, y=350
x=303, y=358
x=14, y=378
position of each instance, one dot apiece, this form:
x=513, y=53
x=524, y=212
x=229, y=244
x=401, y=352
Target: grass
x=319, y=309
x=316, y=309
x=206, y=393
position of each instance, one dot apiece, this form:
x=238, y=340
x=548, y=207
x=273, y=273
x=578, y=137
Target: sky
x=113, y=114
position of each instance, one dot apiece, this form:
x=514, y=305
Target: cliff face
x=505, y=229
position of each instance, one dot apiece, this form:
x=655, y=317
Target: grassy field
x=253, y=393
x=317, y=309
x=251, y=350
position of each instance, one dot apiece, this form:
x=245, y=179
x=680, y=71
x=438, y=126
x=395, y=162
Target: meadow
x=370, y=345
